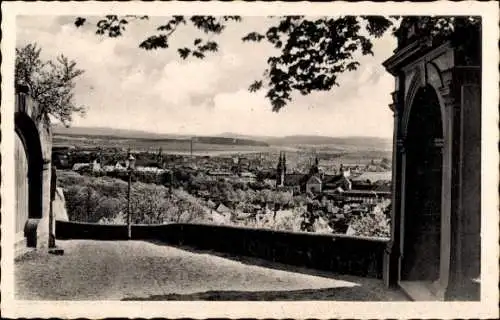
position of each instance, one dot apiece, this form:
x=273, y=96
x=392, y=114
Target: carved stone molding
x=394, y=106
x=438, y=143
x=448, y=97
x=395, y=111
x=395, y=97
x=401, y=145
x=433, y=75
x=392, y=248
x=447, y=90
x=46, y=164
x=467, y=74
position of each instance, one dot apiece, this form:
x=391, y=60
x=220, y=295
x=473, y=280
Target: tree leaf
x=155, y=42
x=80, y=22
x=255, y=86
x=184, y=52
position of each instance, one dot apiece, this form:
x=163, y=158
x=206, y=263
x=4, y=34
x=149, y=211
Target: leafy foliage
x=374, y=224
x=111, y=25
x=52, y=82
x=312, y=52
x=209, y=25
x=104, y=199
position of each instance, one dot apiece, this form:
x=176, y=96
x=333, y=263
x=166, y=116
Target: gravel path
x=137, y=270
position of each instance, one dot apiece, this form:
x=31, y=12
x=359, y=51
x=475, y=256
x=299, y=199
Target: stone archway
x=435, y=248
x=22, y=186
x=29, y=175
x=423, y=170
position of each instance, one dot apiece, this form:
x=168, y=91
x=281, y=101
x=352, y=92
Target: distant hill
x=229, y=138
x=244, y=136
x=312, y=140
x=110, y=133
x=361, y=142
x=231, y=141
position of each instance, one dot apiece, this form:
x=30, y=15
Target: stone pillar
x=470, y=206
x=52, y=224
x=43, y=230
x=393, y=248
x=466, y=196
x=393, y=251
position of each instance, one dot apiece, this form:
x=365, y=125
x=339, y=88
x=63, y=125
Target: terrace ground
x=138, y=270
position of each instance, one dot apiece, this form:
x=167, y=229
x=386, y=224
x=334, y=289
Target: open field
x=173, y=146
x=332, y=151
x=331, y=154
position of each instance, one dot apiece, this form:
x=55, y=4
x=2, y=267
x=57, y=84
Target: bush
x=81, y=203
x=149, y=203
x=109, y=207
x=66, y=178
x=104, y=199
x=375, y=224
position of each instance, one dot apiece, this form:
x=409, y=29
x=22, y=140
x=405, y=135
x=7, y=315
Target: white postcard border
x=488, y=306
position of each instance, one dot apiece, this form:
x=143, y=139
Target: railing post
x=53, y=181
x=129, y=222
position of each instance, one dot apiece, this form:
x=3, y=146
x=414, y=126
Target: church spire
x=280, y=162
x=280, y=174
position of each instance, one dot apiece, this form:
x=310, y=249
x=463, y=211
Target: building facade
x=365, y=196
x=435, y=243
x=313, y=185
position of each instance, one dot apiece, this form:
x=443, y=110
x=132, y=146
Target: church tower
x=278, y=171
x=159, y=158
x=314, y=170
x=281, y=170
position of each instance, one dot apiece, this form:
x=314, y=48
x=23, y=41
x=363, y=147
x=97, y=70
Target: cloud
x=179, y=80
x=127, y=87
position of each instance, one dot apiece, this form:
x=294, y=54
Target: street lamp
x=130, y=169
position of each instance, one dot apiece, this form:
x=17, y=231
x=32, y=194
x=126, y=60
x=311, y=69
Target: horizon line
x=224, y=132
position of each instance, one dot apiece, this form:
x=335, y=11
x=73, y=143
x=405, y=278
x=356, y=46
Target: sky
x=126, y=87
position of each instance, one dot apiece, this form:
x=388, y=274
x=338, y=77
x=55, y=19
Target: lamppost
x=130, y=169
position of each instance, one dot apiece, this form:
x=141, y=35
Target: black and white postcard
x=257, y=160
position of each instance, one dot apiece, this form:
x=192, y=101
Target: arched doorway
x=22, y=186
x=423, y=189
x=28, y=174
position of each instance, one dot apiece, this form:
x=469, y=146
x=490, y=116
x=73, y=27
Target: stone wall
x=341, y=254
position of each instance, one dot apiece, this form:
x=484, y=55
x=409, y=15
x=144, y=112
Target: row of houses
x=119, y=166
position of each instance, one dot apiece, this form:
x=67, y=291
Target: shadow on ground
x=356, y=293
x=366, y=289
x=259, y=262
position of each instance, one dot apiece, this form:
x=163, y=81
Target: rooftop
x=374, y=176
